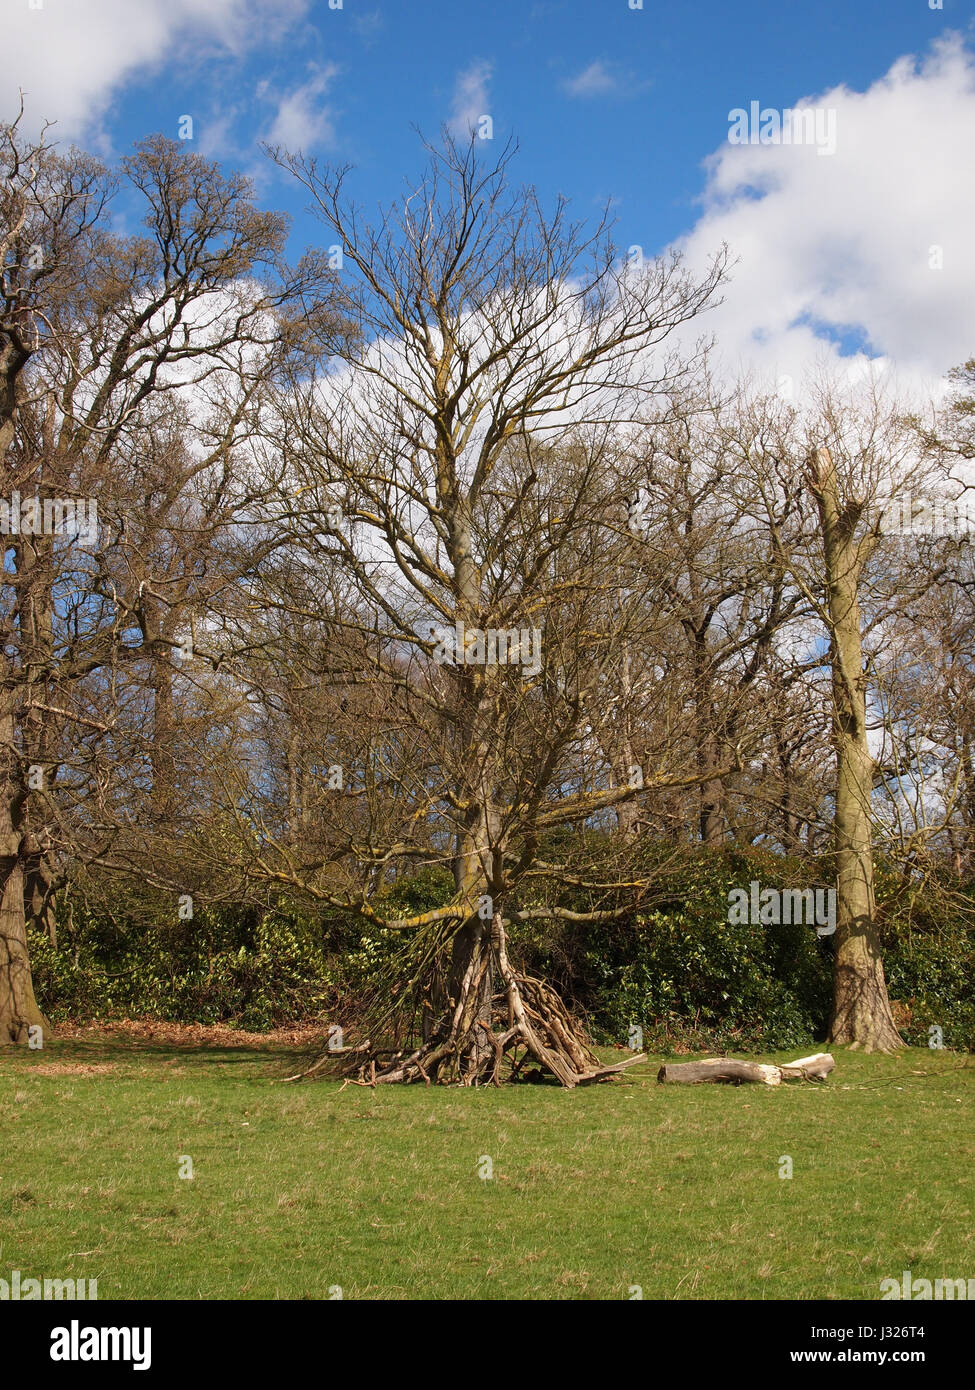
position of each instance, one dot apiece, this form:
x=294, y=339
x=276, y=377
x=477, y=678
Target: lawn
x=299, y=1190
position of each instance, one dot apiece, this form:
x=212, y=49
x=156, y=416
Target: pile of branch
x=529, y=1023
x=474, y=1045
x=730, y=1069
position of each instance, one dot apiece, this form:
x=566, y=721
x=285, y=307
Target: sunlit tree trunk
x=861, y=1008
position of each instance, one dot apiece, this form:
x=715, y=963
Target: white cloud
x=470, y=99
x=303, y=121
x=844, y=242
x=594, y=81
x=72, y=58
x=369, y=26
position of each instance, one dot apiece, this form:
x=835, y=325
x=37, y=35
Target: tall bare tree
x=467, y=446
x=864, y=454
x=101, y=339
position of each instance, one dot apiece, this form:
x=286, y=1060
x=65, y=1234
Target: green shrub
x=254, y=970
x=678, y=970
x=929, y=958
x=686, y=976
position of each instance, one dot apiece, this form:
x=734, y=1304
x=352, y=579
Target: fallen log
x=814, y=1068
x=730, y=1069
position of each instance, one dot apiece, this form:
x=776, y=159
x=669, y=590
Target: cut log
x=719, y=1069
x=730, y=1069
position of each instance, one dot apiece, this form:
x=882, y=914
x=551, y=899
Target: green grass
x=298, y=1188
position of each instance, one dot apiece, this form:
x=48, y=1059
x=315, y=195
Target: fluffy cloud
x=470, y=99
x=594, y=81
x=303, y=121
x=71, y=58
x=840, y=252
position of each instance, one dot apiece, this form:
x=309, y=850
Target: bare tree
x=856, y=453
x=467, y=446
x=104, y=340
x=49, y=208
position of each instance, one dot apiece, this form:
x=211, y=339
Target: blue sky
x=635, y=128
x=606, y=102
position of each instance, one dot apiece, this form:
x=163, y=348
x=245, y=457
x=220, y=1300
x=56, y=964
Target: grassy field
x=298, y=1189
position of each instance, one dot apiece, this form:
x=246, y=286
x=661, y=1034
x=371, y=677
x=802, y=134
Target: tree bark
x=18, y=1006
x=861, y=1009
x=730, y=1069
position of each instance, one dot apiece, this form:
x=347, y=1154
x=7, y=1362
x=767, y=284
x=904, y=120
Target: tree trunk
x=628, y=814
x=160, y=631
x=18, y=1007
x=730, y=1069
x=712, y=823
x=35, y=622
x=39, y=890
x=861, y=1008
